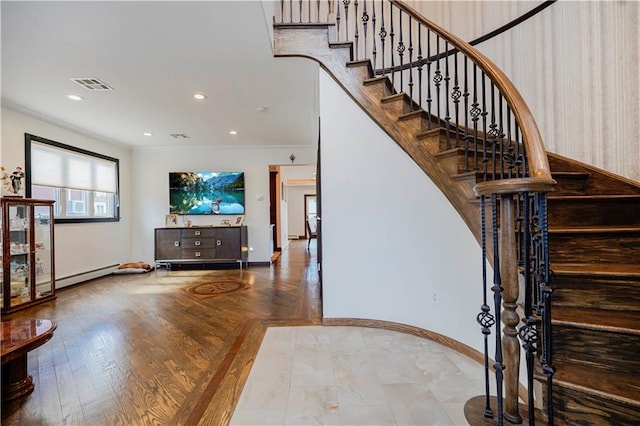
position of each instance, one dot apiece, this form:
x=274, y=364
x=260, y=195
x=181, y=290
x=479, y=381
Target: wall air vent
x=179, y=136
x=92, y=84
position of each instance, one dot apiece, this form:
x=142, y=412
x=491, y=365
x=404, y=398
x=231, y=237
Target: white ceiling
x=156, y=55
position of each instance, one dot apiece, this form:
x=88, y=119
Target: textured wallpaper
x=576, y=64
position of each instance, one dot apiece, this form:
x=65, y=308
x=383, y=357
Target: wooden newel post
x=510, y=318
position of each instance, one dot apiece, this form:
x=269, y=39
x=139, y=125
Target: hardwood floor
x=140, y=350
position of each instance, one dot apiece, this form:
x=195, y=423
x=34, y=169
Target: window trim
x=28, y=138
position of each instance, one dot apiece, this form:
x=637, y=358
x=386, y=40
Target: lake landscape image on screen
x=206, y=193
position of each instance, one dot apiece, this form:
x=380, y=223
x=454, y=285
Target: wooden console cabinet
x=223, y=244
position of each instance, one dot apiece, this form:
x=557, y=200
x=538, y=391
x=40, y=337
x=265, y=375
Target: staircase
x=593, y=229
x=594, y=232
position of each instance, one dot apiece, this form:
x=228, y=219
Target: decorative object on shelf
x=171, y=220
x=225, y=222
x=187, y=223
x=12, y=185
x=239, y=221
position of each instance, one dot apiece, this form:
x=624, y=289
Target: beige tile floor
x=356, y=376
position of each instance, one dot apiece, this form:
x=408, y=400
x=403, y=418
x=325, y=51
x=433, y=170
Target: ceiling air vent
x=179, y=136
x=92, y=84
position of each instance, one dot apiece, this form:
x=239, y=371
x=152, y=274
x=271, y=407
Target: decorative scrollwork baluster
x=456, y=94
x=365, y=21
x=485, y=318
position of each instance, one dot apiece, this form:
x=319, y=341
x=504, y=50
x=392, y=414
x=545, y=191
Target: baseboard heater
x=85, y=276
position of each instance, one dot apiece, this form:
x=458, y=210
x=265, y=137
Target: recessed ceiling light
x=148, y=134
x=233, y=132
x=75, y=97
x=261, y=109
x=200, y=96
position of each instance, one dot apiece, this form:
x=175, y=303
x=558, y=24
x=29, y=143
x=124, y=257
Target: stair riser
x=576, y=212
x=594, y=247
x=377, y=90
x=396, y=107
x=612, y=351
x=570, y=185
x=573, y=407
x=596, y=292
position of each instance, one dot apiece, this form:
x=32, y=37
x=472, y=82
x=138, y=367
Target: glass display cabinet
x=27, y=253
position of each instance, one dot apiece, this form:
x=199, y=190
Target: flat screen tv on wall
x=206, y=193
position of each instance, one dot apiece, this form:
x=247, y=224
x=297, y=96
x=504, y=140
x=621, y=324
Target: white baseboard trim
x=84, y=276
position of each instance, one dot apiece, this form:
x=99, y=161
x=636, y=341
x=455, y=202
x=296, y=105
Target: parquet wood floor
x=140, y=350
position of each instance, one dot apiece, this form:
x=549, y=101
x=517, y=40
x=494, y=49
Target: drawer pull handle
x=197, y=243
x=197, y=254
x=219, y=242
x=176, y=243
x=197, y=233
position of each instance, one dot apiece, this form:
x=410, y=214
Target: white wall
x=79, y=247
x=390, y=238
x=150, y=177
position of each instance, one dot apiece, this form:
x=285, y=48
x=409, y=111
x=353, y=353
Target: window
x=83, y=184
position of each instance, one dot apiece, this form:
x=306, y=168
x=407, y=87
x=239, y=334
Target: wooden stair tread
x=624, y=322
x=606, y=384
x=570, y=174
x=604, y=269
x=600, y=197
x=594, y=229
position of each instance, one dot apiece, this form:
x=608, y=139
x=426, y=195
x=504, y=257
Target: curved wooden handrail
x=534, y=146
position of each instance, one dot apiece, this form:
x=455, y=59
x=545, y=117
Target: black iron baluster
x=374, y=52
x=420, y=65
x=318, y=10
x=391, y=36
x=502, y=135
x=365, y=21
x=447, y=78
x=466, y=114
x=437, y=79
x=382, y=34
x=456, y=95
x=291, y=11
x=527, y=332
x=401, y=49
x=429, y=100
x=282, y=11
x=346, y=19
x=338, y=22
x=356, y=33
x=475, y=115
x=509, y=156
x=300, y=11
x=547, y=353
x=411, y=63
x=497, y=304
x=485, y=160
x=493, y=132
x=485, y=318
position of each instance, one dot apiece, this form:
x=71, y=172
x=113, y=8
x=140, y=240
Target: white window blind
x=62, y=168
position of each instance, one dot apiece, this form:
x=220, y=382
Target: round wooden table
x=18, y=338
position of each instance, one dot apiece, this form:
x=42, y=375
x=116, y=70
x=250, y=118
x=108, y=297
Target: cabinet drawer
x=198, y=243
x=198, y=233
x=194, y=253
